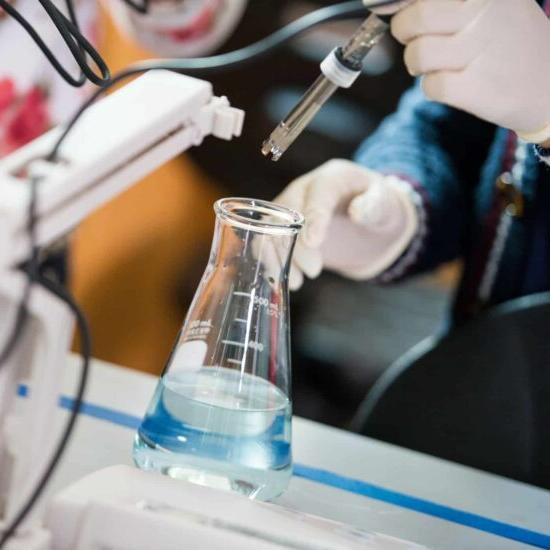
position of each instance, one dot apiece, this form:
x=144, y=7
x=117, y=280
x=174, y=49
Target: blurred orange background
x=131, y=258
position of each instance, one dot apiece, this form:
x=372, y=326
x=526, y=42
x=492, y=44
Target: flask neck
x=254, y=240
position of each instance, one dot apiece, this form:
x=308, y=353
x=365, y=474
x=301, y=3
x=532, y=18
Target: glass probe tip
x=270, y=150
x=276, y=144
x=339, y=69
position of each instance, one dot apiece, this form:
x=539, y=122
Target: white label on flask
x=189, y=356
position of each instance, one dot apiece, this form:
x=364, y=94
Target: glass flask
x=221, y=413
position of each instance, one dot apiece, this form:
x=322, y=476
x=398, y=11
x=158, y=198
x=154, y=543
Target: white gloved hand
x=490, y=58
x=358, y=222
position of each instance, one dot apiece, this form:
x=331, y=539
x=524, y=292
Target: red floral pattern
x=23, y=117
x=7, y=93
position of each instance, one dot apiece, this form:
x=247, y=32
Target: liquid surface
x=218, y=427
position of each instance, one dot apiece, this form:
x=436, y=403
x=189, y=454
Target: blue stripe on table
x=350, y=485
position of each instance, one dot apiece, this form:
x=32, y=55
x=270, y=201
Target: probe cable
x=77, y=43
x=74, y=21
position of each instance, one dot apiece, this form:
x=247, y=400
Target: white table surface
x=400, y=482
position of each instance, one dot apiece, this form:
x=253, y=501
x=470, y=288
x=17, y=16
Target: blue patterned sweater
x=453, y=161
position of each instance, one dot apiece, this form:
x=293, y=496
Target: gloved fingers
x=428, y=54
x=334, y=185
x=294, y=193
x=294, y=196
x=449, y=87
x=308, y=260
x=295, y=278
x=375, y=209
x=440, y=17
x=380, y=231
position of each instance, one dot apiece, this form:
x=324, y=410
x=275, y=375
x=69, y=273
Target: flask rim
x=282, y=219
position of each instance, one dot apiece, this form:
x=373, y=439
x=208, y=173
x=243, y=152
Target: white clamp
x=337, y=72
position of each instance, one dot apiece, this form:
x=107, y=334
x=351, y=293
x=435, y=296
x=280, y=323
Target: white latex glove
x=358, y=222
x=490, y=58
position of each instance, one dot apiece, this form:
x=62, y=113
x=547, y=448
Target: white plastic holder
x=337, y=72
x=122, y=507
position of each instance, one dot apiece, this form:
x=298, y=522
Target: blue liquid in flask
x=219, y=427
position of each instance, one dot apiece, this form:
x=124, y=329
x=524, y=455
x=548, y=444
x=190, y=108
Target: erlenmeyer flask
x=221, y=413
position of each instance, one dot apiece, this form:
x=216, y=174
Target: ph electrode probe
x=340, y=69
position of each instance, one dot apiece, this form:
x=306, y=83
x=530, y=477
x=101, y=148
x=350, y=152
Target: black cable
x=72, y=14
x=86, y=347
x=75, y=40
x=39, y=42
x=74, y=20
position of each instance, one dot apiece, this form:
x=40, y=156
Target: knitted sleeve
x=439, y=151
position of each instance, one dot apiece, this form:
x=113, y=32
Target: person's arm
x=439, y=151
x=402, y=206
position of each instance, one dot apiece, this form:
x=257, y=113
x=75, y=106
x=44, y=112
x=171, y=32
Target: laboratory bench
x=337, y=474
